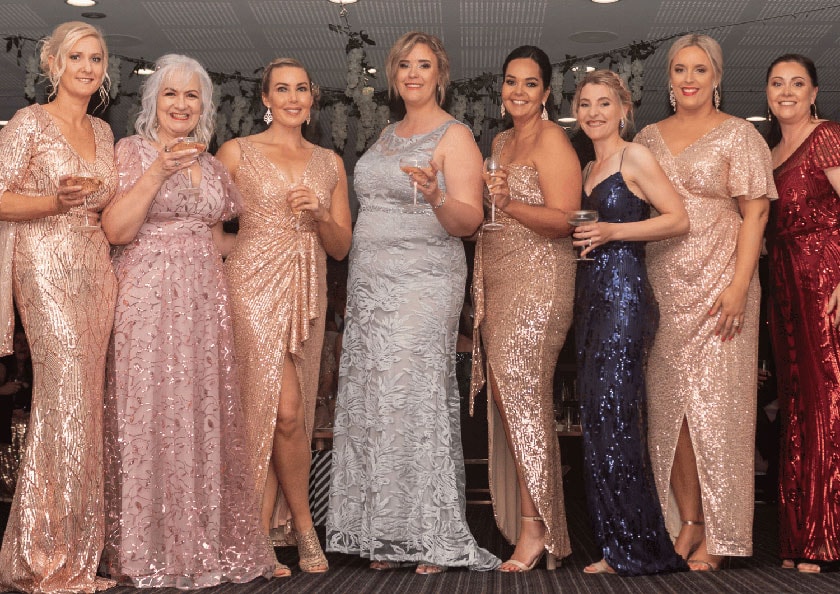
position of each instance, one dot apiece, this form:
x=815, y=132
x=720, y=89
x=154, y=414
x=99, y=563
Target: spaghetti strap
x=621, y=162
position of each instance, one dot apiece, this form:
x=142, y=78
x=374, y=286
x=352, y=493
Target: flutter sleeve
x=230, y=192
x=750, y=164
x=129, y=164
x=825, y=144
x=17, y=140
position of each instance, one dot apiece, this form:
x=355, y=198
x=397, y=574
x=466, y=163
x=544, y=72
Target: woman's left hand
x=300, y=198
x=732, y=305
x=591, y=236
x=427, y=183
x=833, y=305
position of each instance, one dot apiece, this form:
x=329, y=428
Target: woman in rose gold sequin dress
x=180, y=508
x=295, y=213
x=523, y=292
x=803, y=243
x=64, y=290
x=703, y=365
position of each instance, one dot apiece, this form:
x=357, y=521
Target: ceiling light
x=604, y=1
x=81, y=3
x=583, y=68
x=144, y=71
x=756, y=119
x=371, y=70
x=343, y=2
x=567, y=120
x=94, y=15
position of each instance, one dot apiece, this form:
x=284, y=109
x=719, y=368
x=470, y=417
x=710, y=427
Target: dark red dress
x=804, y=246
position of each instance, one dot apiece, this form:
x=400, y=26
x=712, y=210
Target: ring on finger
x=590, y=242
x=175, y=162
x=736, y=323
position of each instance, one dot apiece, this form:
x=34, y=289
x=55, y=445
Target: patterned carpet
x=759, y=574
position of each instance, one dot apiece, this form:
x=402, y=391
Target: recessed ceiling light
x=81, y=3
x=344, y=1
x=593, y=36
x=94, y=15
x=756, y=119
x=567, y=120
x=604, y=1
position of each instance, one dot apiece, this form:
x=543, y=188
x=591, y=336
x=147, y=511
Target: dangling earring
x=769, y=114
x=621, y=124
x=671, y=99
x=544, y=114
x=103, y=95
x=308, y=118
x=503, y=111
x=268, y=118
x=717, y=99
x=814, y=106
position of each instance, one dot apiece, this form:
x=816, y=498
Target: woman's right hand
x=498, y=187
x=833, y=305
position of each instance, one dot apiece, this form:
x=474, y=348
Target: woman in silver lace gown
x=397, y=491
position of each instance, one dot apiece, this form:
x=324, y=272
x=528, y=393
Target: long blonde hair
x=59, y=44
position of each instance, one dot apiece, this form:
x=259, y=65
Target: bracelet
x=442, y=200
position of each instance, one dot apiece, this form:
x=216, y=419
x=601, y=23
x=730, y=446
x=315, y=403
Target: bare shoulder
x=230, y=154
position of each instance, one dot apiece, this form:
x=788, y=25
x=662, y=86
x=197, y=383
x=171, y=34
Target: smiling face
x=84, y=67
x=599, y=111
x=289, y=95
x=693, y=78
x=523, y=92
x=790, y=92
x=417, y=75
x=179, y=107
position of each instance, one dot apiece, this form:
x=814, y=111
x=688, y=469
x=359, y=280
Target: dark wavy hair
x=774, y=135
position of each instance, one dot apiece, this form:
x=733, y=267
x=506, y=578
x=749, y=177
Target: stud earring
x=671, y=98
x=621, y=124
x=503, y=111
x=268, y=118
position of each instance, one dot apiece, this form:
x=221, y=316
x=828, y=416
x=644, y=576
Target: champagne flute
x=582, y=217
x=491, y=166
x=410, y=165
x=183, y=143
x=89, y=184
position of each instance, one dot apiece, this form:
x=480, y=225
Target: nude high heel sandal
x=550, y=560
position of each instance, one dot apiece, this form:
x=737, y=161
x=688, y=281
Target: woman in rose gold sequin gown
x=64, y=289
x=180, y=508
x=295, y=212
x=703, y=365
x=523, y=292
x=803, y=243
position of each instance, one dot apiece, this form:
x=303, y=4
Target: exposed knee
x=289, y=423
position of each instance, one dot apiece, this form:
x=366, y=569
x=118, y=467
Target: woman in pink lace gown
x=64, y=290
x=179, y=497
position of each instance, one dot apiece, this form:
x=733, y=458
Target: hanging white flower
x=114, y=65
x=239, y=107
x=222, y=130
x=31, y=78
x=246, y=127
x=131, y=118
x=557, y=80
x=478, y=111
x=383, y=116
x=217, y=96
x=367, y=117
x=339, y=125
x=459, y=106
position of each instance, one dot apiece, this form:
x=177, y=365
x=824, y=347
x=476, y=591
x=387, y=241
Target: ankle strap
x=532, y=518
x=693, y=523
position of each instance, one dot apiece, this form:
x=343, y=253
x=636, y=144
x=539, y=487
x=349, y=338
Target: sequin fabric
x=692, y=374
x=181, y=510
x=615, y=320
x=65, y=290
x=397, y=489
x=803, y=240
x=523, y=286
x=277, y=277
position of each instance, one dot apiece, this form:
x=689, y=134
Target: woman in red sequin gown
x=803, y=239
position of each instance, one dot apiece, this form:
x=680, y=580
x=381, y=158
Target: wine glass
x=582, y=217
x=89, y=184
x=183, y=143
x=491, y=166
x=410, y=165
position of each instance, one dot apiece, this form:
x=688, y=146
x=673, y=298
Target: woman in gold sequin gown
x=703, y=365
x=295, y=213
x=64, y=290
x=523, y=292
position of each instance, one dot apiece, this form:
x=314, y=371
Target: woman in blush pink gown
x=180, y=505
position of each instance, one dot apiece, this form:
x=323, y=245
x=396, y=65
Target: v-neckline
x=277, y=167
x=677, y=155
x=798, y=149
x=54, y=123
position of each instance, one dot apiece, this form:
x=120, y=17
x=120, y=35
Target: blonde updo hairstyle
x=288, y=63
x=59, y=44
x=403, y=46
x=615, y=83
x=705, y=43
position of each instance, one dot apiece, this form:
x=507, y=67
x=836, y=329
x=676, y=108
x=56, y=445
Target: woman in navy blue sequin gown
x=615, y=321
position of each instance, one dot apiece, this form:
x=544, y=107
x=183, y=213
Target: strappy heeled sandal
x=694, y=546
x=520, y=567
x=281, y=570
x=429, y=569
x=312, y=559
x=598, y=567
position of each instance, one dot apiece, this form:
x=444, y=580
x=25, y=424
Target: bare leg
x=691, y=541
x=269, y=497
x=531, y=542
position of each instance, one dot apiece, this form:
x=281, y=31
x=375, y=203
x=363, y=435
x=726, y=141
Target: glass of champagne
x=582, y=217
x=183, y=143
x=90, y=184
x=491, y=167
x=409, y=165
